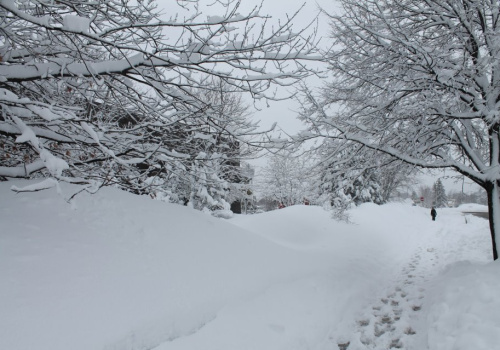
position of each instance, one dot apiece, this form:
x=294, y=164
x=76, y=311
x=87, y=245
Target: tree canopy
x=117, y=92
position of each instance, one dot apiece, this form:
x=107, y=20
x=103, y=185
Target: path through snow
x=398, y=318
x=389, y=323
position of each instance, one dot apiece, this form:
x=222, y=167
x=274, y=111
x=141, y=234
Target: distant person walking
x=433, y=213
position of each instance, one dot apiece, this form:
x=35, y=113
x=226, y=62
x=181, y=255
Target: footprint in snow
x=386, y=332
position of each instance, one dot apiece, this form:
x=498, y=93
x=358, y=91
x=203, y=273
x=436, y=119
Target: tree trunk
x=493, y=213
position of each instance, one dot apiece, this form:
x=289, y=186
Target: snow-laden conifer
x=440, y=198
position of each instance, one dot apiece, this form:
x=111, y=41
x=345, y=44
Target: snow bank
x=461, y=309
x=464, y=308
x=118, y=271
x=473, y=207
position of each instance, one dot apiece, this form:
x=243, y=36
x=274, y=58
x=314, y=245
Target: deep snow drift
x=117, y=271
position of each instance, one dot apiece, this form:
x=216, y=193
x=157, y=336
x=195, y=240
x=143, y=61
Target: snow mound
x=472, y=207
x=118, y=271
x=464, y=308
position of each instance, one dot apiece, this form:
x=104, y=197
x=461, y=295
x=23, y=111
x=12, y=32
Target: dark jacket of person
x=433, y=212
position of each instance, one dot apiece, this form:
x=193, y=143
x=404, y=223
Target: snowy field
x=115, y=271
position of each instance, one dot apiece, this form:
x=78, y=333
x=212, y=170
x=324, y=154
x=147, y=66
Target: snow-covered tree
x=241, y=189
x=286, y=179
x=348, y=176
x=440, y=198
x=414, y=196
x=361, y=173
x=213, y=166
x=417, y=80
x=115, y=91
x=393, y=177
x=207, y=191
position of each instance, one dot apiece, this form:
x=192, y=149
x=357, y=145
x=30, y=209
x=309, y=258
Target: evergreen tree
x=365, y=188
x=349, y=177
x=414, y=196
x=440, y=199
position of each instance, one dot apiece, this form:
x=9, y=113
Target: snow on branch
x=139, y=43
x=117, y=93
x=24, y=170
x=40, y=186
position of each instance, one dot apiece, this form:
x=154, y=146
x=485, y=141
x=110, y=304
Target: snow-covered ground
x=114, y=271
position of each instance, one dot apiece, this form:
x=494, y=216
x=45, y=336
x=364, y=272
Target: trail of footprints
x=388, y=324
